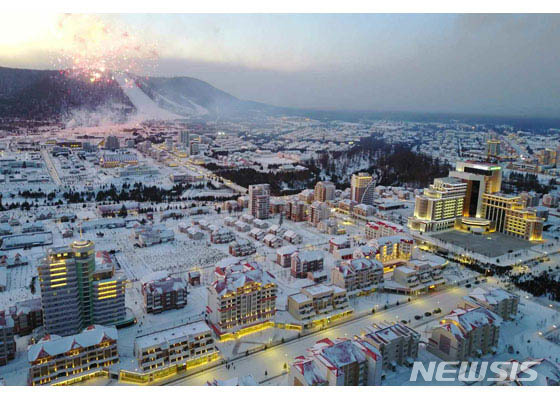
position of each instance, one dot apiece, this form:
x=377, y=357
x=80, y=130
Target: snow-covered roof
x=53, y=345
x=285, y=250
x=310, y=255
x=232, y=282
x=386, y=334
x=461, y=321
x=172, y=335
x=308, y=368
x=492, y=296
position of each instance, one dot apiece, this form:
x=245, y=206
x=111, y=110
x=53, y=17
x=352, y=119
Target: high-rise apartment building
x=324, y=191
x=362, y=186
x=259, y=200
x=74, y=294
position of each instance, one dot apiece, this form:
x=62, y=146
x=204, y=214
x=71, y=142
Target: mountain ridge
x=53, y=94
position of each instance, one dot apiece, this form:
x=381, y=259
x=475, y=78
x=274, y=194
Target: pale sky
x=489, y=64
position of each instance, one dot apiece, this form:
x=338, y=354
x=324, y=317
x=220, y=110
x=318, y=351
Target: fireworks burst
x=94, y=49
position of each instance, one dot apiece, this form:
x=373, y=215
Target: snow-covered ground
x=145, y=107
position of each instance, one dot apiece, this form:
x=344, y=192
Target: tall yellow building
x=439, y=206
x=360, y=184
x=510, y=217
x=480, y=178
x=470, y=199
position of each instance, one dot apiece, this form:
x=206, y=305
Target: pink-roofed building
x=339, y=362
x=465, y=333
x=377, y=229
x=241, y=300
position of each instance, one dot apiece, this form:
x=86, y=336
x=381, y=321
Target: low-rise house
x=284, y=255
x=276, y=230
x=194, y=278
x=230, y=221
x=272, y=241
x=222, y=235
x=343, y=254
x=339, y=242
x=363, y=211
x=292, y=237
x=241, y=248
x=195, y=233
x=247, y=218
x=257, y=233
x=259, y=223
x=151, y=235
x=241, y=226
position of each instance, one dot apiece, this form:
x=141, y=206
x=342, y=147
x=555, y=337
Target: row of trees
x=519, y=182
x=546, y=284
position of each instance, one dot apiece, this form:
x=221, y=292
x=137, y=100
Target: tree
x=123, y=212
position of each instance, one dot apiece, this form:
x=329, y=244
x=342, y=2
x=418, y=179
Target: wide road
x=272, y=360
x=50, y=167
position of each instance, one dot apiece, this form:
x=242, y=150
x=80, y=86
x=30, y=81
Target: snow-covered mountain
x=42, y=94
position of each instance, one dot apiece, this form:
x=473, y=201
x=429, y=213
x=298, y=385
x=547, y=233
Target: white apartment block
x=315, y=300
x=181, y=346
